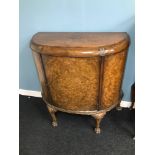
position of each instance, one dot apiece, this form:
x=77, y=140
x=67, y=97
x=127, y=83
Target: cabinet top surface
x=79, y=44
x=78, y=39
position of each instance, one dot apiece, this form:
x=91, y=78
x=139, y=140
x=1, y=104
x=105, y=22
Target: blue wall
x=73, y=15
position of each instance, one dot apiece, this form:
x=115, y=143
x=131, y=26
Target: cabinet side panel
x=41, y=75
x=112, y=78
x=73, y=82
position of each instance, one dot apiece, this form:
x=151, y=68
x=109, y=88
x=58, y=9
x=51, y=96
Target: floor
x=74, y=134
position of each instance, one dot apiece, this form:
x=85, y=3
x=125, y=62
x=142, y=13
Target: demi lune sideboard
x=80, y=72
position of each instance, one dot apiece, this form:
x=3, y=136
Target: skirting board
x=124, y=104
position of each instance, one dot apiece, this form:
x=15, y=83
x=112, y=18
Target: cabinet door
x=113, y=69
x=73, y=82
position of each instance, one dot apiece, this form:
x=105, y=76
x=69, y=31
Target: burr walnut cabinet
x=80, y=72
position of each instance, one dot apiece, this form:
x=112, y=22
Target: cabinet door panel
x=73, y=82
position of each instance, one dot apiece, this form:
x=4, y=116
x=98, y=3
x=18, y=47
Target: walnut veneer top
x=51, y=42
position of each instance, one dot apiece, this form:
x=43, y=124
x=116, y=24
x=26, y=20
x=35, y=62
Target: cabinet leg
x=118, y=107
x=98, y=118
x=52, y=112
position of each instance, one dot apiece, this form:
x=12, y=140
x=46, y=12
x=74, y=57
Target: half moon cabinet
x=80, y=72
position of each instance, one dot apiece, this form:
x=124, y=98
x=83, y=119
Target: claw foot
x=54, y=124
x=97, y=130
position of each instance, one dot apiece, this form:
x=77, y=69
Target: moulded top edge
x=43, y=42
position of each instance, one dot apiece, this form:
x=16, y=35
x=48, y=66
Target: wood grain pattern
x=78, y=44
x=73, y=82
x=78, y=39
x=40, y=69
x=80, y=73
x=112, y=78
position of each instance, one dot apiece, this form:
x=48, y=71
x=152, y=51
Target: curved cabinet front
x=79, y=82
x=112, y=78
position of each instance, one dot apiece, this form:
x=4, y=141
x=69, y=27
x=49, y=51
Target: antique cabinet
x=80, y=72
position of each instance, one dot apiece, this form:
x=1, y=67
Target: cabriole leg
x=52, y=112
x=98, y=118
